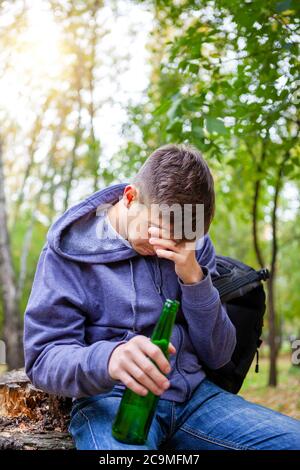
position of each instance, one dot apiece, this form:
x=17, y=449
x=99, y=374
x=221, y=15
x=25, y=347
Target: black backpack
x=240, y=287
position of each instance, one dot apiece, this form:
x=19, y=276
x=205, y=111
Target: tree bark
x=257, y=187
x=91, y=83
x=273, y=329
x=72, y=165
x=12, y=318
x=35, y=203
x=35, y=133
x=30, y=418
x=272, y=333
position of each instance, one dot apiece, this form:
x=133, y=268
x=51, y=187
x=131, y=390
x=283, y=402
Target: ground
x=284, y=398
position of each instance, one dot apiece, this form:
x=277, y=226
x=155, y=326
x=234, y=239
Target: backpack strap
x=230, y=287
x=235, y=278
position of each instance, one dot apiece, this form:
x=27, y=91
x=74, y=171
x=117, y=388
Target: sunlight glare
x=37, y=60
x=42, y=40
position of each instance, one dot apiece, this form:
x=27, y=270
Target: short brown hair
x=177, y=173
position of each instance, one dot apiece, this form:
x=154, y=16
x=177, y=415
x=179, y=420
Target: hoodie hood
x=75, y=234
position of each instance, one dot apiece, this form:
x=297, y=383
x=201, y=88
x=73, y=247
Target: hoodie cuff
x=202, y=293
x=99, y=361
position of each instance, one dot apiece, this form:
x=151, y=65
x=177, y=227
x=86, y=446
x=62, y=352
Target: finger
x=131, y=383
x=156, y=354
x=171, y=348
x=151, y=369
x=165, y=244
x=143, y=377
x=167, y=254
x=159, y=232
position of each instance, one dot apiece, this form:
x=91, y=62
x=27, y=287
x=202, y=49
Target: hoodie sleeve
x=57, y=359
x=210, y=329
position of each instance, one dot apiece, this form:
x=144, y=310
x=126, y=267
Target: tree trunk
x=72, y=165
x=34, y=136
x=93, y=154
x=272, y=334
x=30, y=419
x=34, y=209
x=273, y=328
x=12, y=319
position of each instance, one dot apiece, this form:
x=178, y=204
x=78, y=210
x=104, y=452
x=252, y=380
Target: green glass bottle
x=135, y=413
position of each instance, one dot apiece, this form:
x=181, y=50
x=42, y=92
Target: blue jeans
x=211, y=419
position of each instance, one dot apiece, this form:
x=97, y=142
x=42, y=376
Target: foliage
x=224, y=76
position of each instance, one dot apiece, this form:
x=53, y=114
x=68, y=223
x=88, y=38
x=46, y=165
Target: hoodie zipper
x=159, y=290
x=153, y=267
x=158, y=284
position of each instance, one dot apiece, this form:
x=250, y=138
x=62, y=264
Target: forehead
x=156, y=217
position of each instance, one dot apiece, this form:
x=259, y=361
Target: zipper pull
x=257, y=362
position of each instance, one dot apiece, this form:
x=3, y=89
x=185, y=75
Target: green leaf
x=194, y=68
x=194, y=103
x=175, y=108
x=162, y=108
x=183, y=65
x=197, y=130
x=215, y=125
x=174, y=127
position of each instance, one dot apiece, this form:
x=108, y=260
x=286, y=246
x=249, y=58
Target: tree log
x=31, y=418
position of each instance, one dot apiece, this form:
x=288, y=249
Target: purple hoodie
x=89, y=296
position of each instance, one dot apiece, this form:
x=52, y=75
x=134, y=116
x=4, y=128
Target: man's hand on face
x=183, y=255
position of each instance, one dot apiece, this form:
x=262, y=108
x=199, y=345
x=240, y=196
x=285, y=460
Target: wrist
x=194, y=277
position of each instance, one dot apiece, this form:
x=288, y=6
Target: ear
x=130, y=195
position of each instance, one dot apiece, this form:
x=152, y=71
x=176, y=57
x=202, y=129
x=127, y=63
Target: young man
x=107, y=267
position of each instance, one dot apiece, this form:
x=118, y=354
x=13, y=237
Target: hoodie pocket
x=110, y=333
